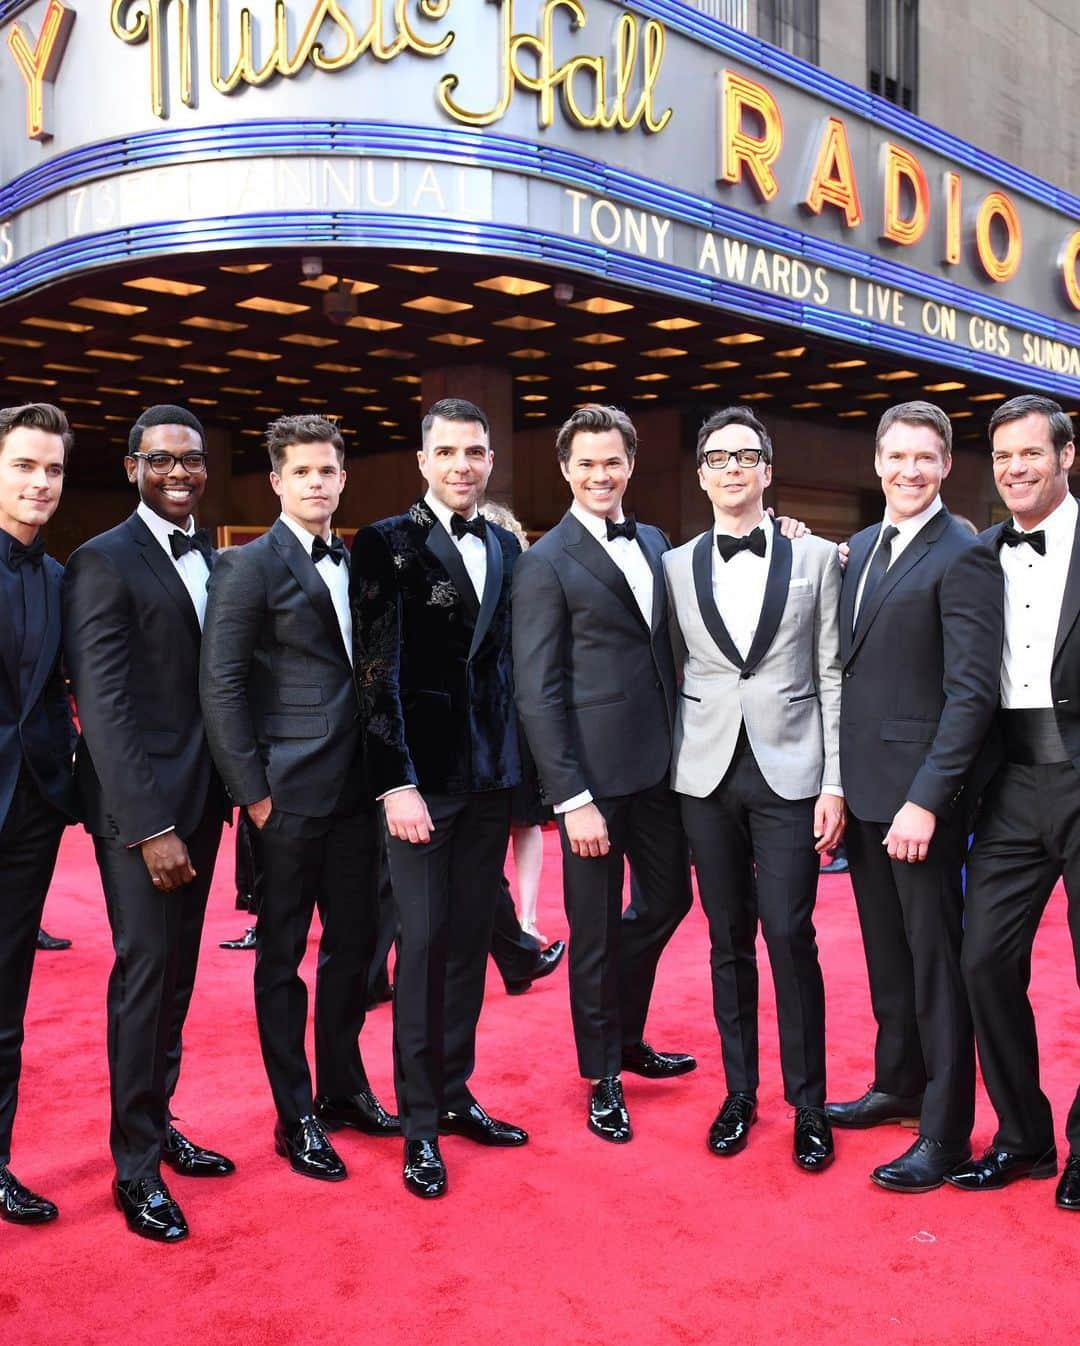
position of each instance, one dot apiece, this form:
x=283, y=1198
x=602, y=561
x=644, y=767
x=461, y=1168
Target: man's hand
x=830, y=819
x=407, y=816
x=789, y=528
x=911, y=832
x=167, y=859
x=843, y=552
x=586, y=831
x=260, y=811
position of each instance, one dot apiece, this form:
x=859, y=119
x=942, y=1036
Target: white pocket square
x=799, y=584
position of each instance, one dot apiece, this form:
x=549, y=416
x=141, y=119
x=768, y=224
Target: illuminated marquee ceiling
x=244, y=341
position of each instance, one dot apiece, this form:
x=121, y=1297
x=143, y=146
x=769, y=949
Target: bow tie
x=626, y=529
x=335, y=549
x=31, y=552
x=728, y=546
x=1012, y=537
x=181, y=543
x=460, y=527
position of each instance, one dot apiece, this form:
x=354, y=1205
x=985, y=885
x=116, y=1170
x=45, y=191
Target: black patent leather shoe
x=813, y=1150
x=997, y=1168
x=547, y=960
x=424, y=1172
x=308, y=1151
x=149, y=1210
x=641, y=1059
x=246, y=940
x=608, y=1117
x=51, y=943
x=874, y=1109
x=921, y=1168
x=191, y=1160
x=21, y=1206
x=362, y=1111
x=475, y=1124
x=1068, y=1189
x=731, y=1127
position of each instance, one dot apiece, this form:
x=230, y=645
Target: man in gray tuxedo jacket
x=756, y=766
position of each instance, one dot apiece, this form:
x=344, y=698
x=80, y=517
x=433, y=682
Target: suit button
x=658, y=683
x=849, y=673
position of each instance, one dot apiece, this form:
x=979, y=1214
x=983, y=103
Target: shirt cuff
x=578, y=801
x=395, y=791
x=153, y=837
x=832, y=790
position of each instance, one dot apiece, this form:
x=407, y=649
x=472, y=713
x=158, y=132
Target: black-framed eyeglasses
x=718, y=459
x=161, y=464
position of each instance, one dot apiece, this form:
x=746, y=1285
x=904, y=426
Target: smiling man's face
x=912, y=463
x=176, y=493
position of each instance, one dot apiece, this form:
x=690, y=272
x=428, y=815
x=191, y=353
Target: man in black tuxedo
x=1028, y=835
x=431, y=625
x=919, y=648
x=134, y=600
x=36, y=740
x=282, y=717
x=595, y=681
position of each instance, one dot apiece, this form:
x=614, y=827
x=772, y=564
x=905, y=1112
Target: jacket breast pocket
x=908, y=731
x=300, y=696
x=295, y=726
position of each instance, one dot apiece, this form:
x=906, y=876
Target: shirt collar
x=302, y=535
x=161, y=528
x=765, y=523
x=907, y=528
x=442, y=513
x=1060, y=525
x=591, y=522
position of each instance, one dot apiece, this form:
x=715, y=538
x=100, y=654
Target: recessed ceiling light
x=242, y=353
x=663, y=353
x=792, y=353
x=204, y=401
x=160, y=378
x=721, y=364
x=873, y=397
x=532, y=415
x=270, y=411
x=599, y=339
x=598, y=304
x=124, y=356
x=822, y=387
x=82, y=401
x=456, y=339
x=389, y=425
x=211, y=325
x=417, y=270
x=392, y=353
x=359, y=391
x=960, y=415
x=515, y=285
x=110, y=306
x=857, y=411
x=28, y=342
x=330, y=282
x=775, y=374
x=646, y=397
x=70, y=369
x=248, y=269
x=520, y=322
x=431, y=303
x=206, y=369
x=591, y=387
x=55, y=325
x=339, y=369
x=172, y=343
x=986, y=397
x=534, y=397
x=161, y=285
x=739, y=339
x=23, y=378
x=407, y=378
x=119, y=392
x=804, y=406
x=754, y=397
x=895, y=374
x=240, y=392
x=282, y=307
x=675, y=324
x=528, y=353
x=846, y=364
x=532, y=378
x=650, y=378
x=375, y=407
x=290, y=379
x=305, y=339
x=950, y=386
x=704, y=387
x=595, y=366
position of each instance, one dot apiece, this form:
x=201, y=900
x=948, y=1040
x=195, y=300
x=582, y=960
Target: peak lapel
x=292, y=552
x=774, y=602
x=860, y=554
x=493, y=579
x=703, y=560
x=441, y=545
x=587, y=551
x=1070, y=603
x=50, y=645
x=153, y=555
x=910, y=557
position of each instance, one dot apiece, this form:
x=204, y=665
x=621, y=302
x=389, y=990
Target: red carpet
x=568, y=1241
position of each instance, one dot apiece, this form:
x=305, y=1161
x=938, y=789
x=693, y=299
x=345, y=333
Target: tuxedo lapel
x=654, y=556
x=292, y=552
x=51, y=642
x=10, y=595
x=774, y=602
x=493, y=580
x=912, y=554
x=153, y=556
x=584, y=548
x=1070, y=602
x=861, y=548
x=703, y=561
x=441, y=545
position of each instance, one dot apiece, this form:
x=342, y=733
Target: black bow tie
x=31, y=552
x=181, y=543
x=728, y=546
x=335, y=549
x=460, y=527
x=626, y=529
x=1012, y=537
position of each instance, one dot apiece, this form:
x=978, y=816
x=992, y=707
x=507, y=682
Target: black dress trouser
x=29, y=841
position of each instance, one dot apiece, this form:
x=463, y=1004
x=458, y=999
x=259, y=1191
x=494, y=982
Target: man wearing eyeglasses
x=134, y=603
x=756, y=768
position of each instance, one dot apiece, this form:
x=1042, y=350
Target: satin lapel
x=912, y=554
x=774, y=602
x=153, y=554
x=441, y=546
x=704, y=551
x=493, y=579
x=291, y=550
x=654, y=556
x=1070, y=602
x=585, y=549
x=860, y=554
x=11, y=591
x=51, y=642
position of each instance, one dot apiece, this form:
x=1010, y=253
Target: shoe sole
x=906, y=1187
x=32, y=1219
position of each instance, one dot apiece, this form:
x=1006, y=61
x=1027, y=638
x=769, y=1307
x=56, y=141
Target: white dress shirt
x=1034, y=589
x=907, y=530
x=191, y=567
x=335, y=577
x=739, y=586
x=472, y=549
x=638, y=574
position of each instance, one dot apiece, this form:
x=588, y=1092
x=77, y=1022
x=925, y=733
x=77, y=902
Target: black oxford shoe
x=308, y=1151
x=922, y=1167
x=998, y=1168
x=813, y=1150
x=1068, y=1189
x=547, y=960
x=362, y=1111
x=424, y=1172
x=150, y=1211
x=608, y=1117
x=874, y=1109
x=51, y=943
x=731, y=1127
x=246, y=940
x=640, y=1059
x=191, y=1160
x=21, y=1206
x=475, y=1124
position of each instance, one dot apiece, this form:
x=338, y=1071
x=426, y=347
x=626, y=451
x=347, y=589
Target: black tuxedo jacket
x=433, y=663
x=921, y=674
x=131, y=639
x=277, y=687
x=35, y=723
x=1065, y=669
x=595, y=685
